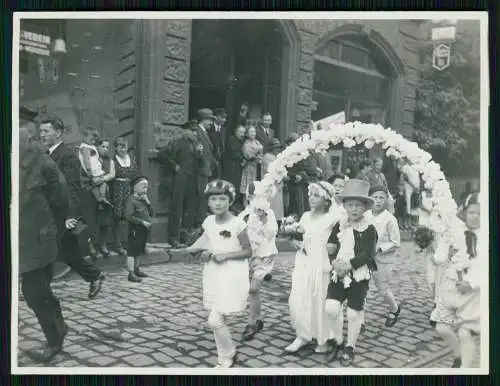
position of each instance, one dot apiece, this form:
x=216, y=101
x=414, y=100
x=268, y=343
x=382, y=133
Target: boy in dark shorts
x=353, y=261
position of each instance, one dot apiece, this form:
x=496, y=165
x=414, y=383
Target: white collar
x=123, y=161
x=54, y=147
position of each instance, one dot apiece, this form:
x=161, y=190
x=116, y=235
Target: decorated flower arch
x=443, y=221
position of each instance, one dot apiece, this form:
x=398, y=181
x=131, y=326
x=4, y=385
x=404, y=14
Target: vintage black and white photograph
x=250, y=193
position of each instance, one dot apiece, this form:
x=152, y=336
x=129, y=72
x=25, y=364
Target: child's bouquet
x=290, y=228
x=423, y=237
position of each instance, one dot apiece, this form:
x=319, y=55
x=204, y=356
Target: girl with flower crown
x=262, y=229
x=353, y=263
x=311, y=273
x=224, y=246
x=458, y=311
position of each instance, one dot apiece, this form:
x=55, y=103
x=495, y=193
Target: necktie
x=471, y=242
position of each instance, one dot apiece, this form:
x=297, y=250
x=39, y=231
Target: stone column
x=163, y=91
x=305, y=80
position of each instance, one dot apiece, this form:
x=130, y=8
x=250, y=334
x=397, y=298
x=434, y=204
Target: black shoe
x=334, y=351
x=43, y=355
x=250, y=331
x=268, y=277
x=347, y=356
x=139, y=273
x=133, y=278
x=95, y=286
x=457, y=362
x=392, y=317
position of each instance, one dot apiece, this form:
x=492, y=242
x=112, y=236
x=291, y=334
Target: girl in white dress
x=225, y=247
x=436, y=254
x=92, y=166
x=458, y=311
x=311, y=273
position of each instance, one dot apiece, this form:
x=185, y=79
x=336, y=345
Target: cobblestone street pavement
x=161, y=323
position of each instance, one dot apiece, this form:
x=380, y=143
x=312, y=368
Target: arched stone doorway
x=238, y=61
x=356, y=72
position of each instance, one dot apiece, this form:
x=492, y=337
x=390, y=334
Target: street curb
x=158, y=254
x=162, y=254
x=424, y=362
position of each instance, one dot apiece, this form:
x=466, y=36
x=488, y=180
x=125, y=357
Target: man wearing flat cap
x=185, y=160
x=210, y=169
x=42, y=196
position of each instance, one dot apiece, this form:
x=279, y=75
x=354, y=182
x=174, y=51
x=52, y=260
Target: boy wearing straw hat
x=353, y=263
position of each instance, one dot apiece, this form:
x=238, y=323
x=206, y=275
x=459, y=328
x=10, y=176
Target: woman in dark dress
x=125, y=171
x=233, y=160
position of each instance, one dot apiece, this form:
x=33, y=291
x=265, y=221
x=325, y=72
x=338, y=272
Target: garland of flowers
x=443, y=219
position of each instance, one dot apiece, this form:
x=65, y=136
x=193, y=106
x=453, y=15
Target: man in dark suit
x=265, y=134
x=42, y=197
x=217, y=133
x=209, y=169
x=184, y=159
x=72, y=247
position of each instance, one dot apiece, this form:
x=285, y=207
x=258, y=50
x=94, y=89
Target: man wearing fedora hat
x=184, y=159
x=42, y=196
x=210, y=169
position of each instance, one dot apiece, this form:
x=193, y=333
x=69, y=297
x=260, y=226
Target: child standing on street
x=311, y=273
x=458, y=311
x=262, y=229
x=389, y=241
x=138, y=213
x=354, y=261
x=92, y=166
x=224, y=246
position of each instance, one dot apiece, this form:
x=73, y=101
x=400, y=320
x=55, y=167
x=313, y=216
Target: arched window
x=349, y=76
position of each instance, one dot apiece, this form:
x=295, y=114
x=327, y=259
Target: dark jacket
x=218, y=140
x=233, y=157
x=69, y=165
x=182, y=153
x=43, y=195
x=365, y=245
x=264, y=139
x=210, y=167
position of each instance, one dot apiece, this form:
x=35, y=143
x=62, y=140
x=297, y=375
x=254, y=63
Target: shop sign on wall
x=35, y=43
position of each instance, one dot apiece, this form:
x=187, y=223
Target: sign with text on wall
x=35, y=43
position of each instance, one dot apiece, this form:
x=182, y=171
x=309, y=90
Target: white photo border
x=482, y=17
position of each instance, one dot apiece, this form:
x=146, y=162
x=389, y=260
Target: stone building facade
x=149, y=76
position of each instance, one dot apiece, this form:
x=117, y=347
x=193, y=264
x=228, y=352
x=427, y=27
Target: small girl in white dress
x=458, y=311
x=225, y=248
x=92, y=166
x=311, y=274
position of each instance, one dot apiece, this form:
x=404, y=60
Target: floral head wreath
x=324, y=189
x=221, y=187
x=472, y=199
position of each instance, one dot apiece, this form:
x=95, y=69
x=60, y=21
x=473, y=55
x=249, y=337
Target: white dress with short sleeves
x=310, y=278
x=226, y=285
